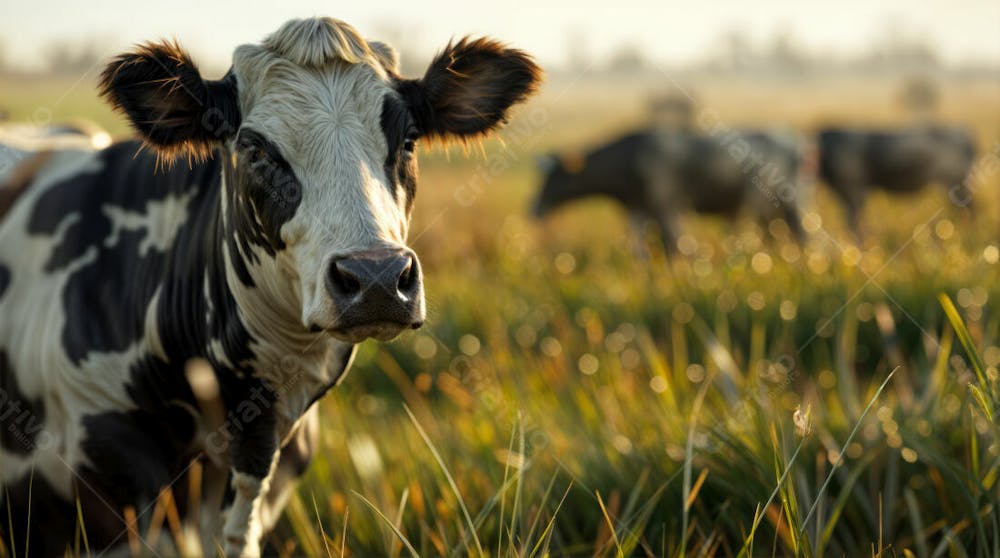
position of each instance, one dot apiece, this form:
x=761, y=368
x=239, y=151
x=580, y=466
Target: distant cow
x=854, y=162
x=659, y=174
x=278, y=245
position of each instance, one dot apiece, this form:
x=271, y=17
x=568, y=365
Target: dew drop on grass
x=551, y=347
x=944, y=229
x=851, y=256
x=695, y=373
x=565, y=263
x=622, y=444
x=788, y=310
x=658, y=384
x=588, y=364
x=425, y=347
x=630, y=358
x=687, y=245
x=812, y=222
x=683, y=313
x=469, y=344
x=991, y=254
x=790, y=252
x=761, y=263
x=615, y=342
x=526, y=336
x=756, y=300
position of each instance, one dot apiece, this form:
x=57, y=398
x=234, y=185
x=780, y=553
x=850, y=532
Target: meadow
x=750, y=397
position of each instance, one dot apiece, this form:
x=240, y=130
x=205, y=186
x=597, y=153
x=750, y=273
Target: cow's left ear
x=161, y=91
x=469, y=87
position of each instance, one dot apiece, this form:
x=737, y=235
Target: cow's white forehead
x=320, y=103
x=309, y=75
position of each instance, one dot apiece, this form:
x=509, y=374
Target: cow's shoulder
x=24, y=173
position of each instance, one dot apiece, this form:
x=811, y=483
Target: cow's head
x=561, y=182
x=319, y=134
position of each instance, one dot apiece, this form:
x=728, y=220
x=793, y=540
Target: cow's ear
x=172, y=108
x=469, y=87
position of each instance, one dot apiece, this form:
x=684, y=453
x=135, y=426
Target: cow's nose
x=371, y=288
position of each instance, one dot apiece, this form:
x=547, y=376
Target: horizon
x=958, y=33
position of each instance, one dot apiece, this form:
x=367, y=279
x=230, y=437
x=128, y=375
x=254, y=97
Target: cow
x=657, y=174
x=266, y=254
x=853, y=162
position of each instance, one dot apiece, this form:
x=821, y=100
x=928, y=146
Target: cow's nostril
x=408, y=278
x=343, y=280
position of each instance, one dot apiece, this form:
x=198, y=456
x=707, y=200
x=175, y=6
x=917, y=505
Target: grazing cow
x=854, y=162
x=657, y=174
x=271, y=252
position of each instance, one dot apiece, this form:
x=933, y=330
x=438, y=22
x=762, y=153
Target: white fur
x=326, y=122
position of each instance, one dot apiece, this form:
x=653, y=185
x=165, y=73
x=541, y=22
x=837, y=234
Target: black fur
x=4, y=279
x=469, y=87
x=400, y=163
x=172, y=108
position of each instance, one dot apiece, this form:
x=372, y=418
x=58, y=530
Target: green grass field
x=750, y=398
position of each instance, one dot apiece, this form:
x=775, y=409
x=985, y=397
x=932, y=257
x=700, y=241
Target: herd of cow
x=659, y=173
x=277, y=247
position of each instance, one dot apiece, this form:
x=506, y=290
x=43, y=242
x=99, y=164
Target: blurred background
x=578, y=389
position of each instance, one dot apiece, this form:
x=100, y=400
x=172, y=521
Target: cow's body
x=266, y=259
x=854, y=162
x=658, y=174
x=123, y=274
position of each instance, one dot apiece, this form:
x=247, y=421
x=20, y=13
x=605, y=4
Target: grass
x=565, y=399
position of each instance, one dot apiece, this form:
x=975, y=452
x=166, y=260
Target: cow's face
x=319, y=133
x=560, y=184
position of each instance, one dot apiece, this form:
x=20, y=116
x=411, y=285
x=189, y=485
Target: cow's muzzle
x=376, y=294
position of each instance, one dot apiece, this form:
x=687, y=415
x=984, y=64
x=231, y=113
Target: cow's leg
x=296, y=454
x=637, y=222
x=254, y=454
x=669, y=231
x=790, y=213
x=853, y=196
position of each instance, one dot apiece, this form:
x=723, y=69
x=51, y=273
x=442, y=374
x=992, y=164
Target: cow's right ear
x=161, y=91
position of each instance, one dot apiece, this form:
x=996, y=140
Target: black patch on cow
x=21, y=418
x=252, y=422
x=4, y=279
x=106, y=298
x=132, y=455
x=263, y=193
x=400, y=133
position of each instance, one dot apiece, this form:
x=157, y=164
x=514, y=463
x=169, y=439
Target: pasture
x=750, y=397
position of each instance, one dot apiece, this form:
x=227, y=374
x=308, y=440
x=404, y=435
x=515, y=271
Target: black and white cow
x=853, y=162
x=277, y=246
x=657, y=174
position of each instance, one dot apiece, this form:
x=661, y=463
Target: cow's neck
x=288, y=356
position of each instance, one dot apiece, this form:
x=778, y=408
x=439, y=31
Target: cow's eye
x=257, y=154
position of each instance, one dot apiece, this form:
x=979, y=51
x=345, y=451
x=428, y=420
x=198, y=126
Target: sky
x=668, y=31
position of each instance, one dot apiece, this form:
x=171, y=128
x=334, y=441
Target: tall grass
x=750, y=398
